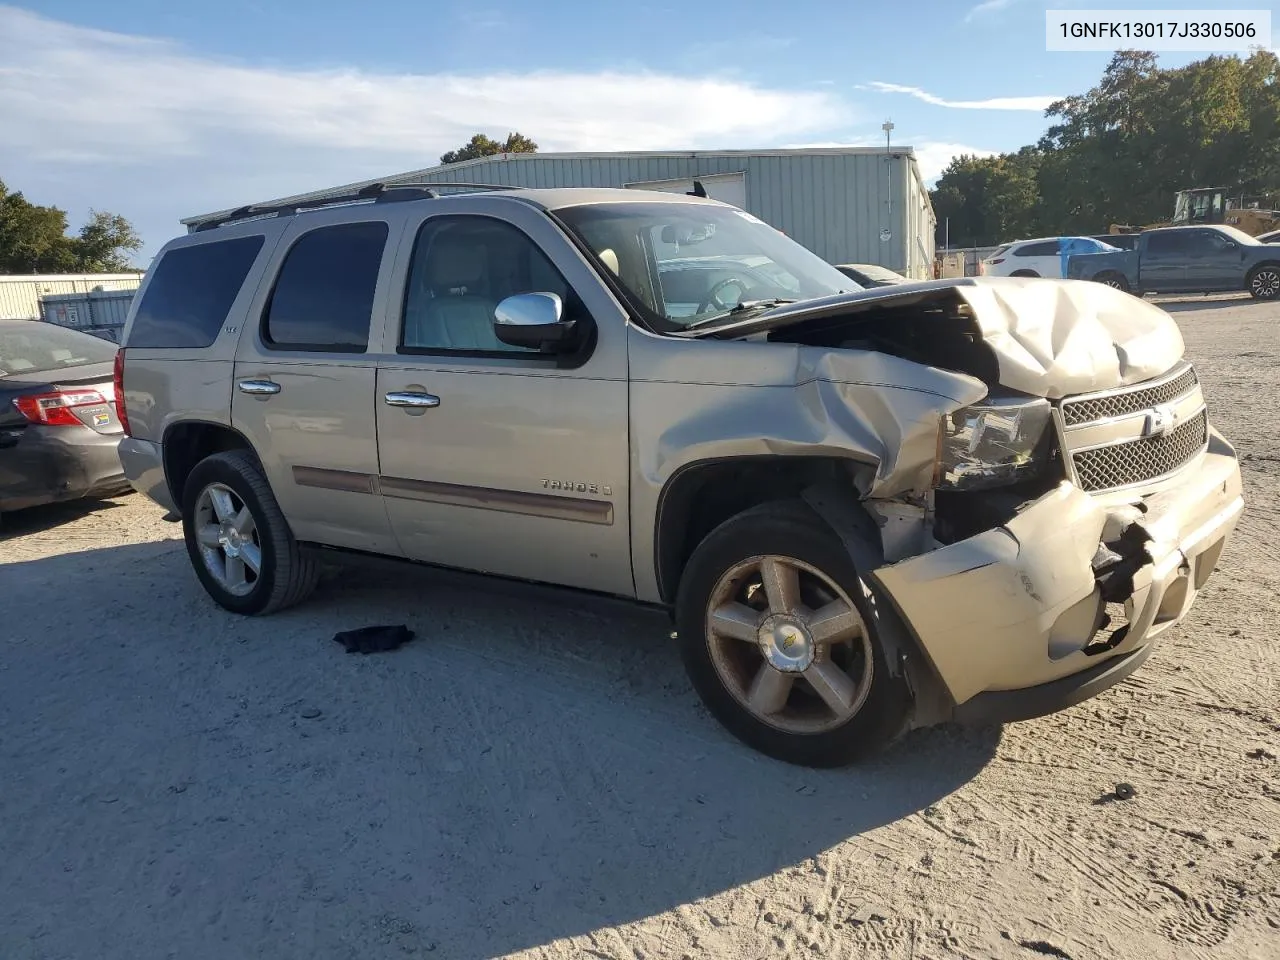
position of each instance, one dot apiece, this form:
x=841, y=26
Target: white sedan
x=1045, y=257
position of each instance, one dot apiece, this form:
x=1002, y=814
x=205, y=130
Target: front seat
x=450, y=313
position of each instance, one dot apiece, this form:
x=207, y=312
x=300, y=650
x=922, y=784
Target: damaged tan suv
x=973, y=500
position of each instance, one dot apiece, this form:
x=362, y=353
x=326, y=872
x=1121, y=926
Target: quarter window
x=323, y=297
x=462, y=268
x=191, y=292
x=1047, y=248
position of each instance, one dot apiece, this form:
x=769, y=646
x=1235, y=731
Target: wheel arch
x=187, y=442
x=701, y=495
x=826, y=485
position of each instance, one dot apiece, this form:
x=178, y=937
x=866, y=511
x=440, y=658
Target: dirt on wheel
x=531, y=775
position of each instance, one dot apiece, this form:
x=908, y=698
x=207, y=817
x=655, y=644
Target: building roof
x=426, y=173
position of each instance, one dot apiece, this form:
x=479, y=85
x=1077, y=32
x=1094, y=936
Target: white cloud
x=988, y=6
x=149, y=129
x=994, y=103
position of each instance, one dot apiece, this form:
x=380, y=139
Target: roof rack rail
x=449, y=184
x=254, y=212
x=377, y=192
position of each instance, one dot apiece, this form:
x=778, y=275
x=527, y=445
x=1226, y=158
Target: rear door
x=303, y=387
x=514, y=462
x=1163, y=264
x=1041, y=258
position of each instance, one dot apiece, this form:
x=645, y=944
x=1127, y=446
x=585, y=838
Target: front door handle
x=259, y=388
x=411, y=399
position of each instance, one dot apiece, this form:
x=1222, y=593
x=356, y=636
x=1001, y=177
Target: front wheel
x=778, y=638
x=1264, y=282
x=238, y=539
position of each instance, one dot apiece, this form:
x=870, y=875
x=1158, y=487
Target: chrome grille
x=1089, y=409
x=1125, y=464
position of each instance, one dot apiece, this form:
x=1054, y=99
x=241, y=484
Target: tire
x=285, y=574
x=1115, y=281
x=727, y=671
x=1264, y=282
x=1024, y=273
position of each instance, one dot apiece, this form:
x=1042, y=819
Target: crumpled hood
x=1060, y=337
x=1051, y=338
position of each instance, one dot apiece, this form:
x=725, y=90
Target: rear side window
x=191, y=292
x=1160, y=243
x=323, y=298
x=1047, y=248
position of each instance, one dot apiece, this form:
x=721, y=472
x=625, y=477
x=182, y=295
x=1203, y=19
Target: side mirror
x=531, y=320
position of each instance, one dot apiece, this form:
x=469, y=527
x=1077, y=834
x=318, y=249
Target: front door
x=496, y=458
x=1214, y=262
x=303, y=392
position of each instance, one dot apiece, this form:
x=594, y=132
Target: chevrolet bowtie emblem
x=1160, y=422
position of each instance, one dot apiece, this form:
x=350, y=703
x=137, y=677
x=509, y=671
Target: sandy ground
x=533, y=776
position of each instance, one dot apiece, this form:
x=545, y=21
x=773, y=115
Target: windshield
x=691, y=264
x=1239, y=236
x=31, y=346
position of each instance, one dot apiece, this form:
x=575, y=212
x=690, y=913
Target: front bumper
x=1010, y=618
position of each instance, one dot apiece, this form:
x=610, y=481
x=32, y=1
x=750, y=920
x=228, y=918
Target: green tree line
x=34, y=239
x=1120, y=152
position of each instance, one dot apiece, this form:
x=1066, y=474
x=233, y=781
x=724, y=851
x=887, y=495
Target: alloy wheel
x=1266, y=284
x=228, y=539
x=789, y=644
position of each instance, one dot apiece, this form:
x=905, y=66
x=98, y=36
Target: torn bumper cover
x=1067, y=598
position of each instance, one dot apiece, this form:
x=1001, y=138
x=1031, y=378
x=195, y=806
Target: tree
x=986, y=199
x=482, y=146
x=100, y=245
x=33, y=239
x=1119, y=152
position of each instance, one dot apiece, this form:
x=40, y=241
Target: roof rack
x=450, y=184
x=376, y=192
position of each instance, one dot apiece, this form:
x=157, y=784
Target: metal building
x=848, y=205
x=20, y=294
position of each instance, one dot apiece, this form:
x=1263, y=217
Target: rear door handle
x=259, y=388
x=411, y=399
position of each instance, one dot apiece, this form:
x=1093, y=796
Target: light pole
x=887, y=232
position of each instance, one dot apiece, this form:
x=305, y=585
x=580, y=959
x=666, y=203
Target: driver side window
x=462, y=267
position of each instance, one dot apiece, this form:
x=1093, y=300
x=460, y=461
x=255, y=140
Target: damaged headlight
x=994, y=443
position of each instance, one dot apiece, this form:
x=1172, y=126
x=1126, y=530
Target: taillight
x=117, y=377
x=56, y=409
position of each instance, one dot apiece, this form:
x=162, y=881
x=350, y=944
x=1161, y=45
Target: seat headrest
x=453, y=265
x=610, y=260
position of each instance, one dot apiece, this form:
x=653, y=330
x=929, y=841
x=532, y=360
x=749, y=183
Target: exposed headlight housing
x=995, y=443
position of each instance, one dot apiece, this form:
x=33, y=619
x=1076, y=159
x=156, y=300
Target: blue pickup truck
x=1199, y=259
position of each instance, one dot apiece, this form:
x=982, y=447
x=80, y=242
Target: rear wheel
x=778, y=639
x=1024, y=273
x=1114, y=280
x=238, y=540
x=1264, y=282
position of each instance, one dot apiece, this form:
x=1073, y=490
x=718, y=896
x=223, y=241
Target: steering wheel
x=712, y=298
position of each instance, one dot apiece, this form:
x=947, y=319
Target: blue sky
x=158, y=109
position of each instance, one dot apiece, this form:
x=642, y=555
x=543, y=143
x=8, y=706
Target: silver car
x=977, y=500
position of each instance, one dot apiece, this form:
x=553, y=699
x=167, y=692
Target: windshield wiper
x=736, y=312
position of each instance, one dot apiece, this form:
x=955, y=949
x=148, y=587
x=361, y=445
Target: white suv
x=1045, y=257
